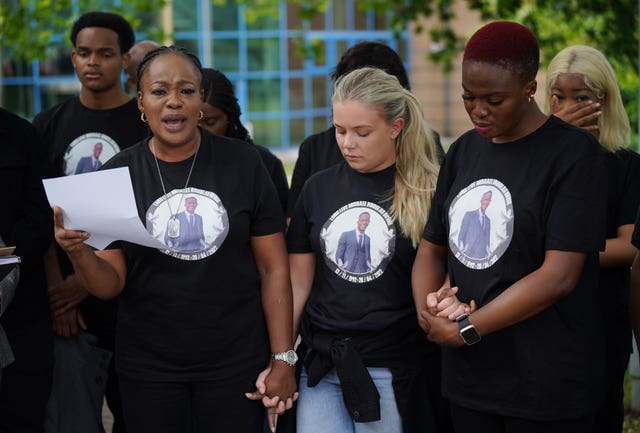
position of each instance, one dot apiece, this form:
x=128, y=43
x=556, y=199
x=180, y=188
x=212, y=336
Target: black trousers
x=190, y=407
x=26, y=383
x=100, y=317
x=471, y=421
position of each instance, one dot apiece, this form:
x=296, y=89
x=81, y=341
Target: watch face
x=470, y=335
x=291, y=357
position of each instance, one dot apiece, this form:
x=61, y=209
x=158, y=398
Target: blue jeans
x=321, y=408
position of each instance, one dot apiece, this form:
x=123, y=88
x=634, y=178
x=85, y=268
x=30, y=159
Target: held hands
x=276, y=387
x=444, y=303
x=438, y=319
x=583, y=114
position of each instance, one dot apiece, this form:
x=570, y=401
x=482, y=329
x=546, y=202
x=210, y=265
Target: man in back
x=136, y=54
x=102, y=111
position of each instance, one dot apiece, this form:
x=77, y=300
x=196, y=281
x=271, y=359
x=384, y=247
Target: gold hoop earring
x=143, y=118
x=201, y=115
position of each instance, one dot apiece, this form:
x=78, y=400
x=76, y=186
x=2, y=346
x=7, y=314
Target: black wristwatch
x=468, y=332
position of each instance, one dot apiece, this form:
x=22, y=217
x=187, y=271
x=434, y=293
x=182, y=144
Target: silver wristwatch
x=290, y=357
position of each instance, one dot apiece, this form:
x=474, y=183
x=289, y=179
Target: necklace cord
x=193, y=163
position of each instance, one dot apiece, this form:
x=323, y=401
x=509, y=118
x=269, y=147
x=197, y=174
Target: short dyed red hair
x=508, y=44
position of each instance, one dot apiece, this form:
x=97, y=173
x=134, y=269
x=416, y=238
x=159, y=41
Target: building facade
x=284, y=94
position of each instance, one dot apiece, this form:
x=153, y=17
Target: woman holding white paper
x=198, y=318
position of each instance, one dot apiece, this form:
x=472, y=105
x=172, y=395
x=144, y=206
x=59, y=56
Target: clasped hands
x=438, y=318
x=276, y=387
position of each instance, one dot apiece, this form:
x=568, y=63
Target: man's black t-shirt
x=70, y=131
x=547, y=193
x=196, y=314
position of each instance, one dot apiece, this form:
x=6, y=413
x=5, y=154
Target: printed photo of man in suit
x=191, y=237
x=90, y=163
x=354, y=248
x=475, y=230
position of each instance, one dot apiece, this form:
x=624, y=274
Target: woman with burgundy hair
x=520, y=326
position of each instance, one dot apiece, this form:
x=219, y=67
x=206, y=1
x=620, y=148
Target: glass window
x=264, y=95
x=188, y=44
x=18, y=100
x=318, y=22
x=296, y=130
x=320, y=51
x=381, y=22
x=262, y=17
x=293, y=16
x=185, y=15
x=296, y=58
x=339, y=17
x=296, y=94
x=225, y=54
x=360, y=18
x=267, y=132
x=321, y=123
x=15, y=67
x=263, y=54
x=319, y=88
x=224, y=16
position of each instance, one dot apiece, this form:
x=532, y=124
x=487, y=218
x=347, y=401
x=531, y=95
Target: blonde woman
x=582, y=89
x=352, y=240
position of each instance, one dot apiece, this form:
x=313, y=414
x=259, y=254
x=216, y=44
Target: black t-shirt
x=276, y=172
x=317, y=152
x=72, y=132
x=546, y=192
x=623, y=180
x=26, y=222
x=195, y=313
x=362, y=280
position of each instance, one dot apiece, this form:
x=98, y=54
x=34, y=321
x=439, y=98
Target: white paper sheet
x=101, y=203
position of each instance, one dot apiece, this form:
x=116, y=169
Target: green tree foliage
x=28, y=27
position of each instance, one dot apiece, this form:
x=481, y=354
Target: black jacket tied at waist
x=360, y=394
x=403, y=348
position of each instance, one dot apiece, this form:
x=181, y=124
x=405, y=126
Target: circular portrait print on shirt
x=88, y=152
x=358, y=241
x=481, y=223
x=191, y=222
